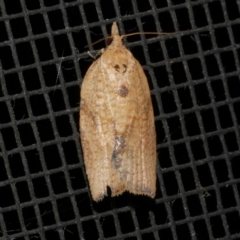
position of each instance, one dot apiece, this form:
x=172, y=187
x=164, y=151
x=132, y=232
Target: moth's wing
x=117, y=127
x=137, y=161
x=97, y=134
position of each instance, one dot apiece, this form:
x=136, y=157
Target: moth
x=117, y=124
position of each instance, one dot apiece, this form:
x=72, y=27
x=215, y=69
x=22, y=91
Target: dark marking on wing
x=119, y=146
x=123, y=91
x=120, y=68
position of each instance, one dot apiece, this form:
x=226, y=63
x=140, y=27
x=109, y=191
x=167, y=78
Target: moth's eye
x=109, y=41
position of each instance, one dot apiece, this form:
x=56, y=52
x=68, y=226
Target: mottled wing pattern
x=97, y=135
x=138, y=165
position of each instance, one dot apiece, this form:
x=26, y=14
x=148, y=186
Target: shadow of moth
x=117, y=124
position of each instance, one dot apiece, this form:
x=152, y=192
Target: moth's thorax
x=116, y=56
x=118, y=62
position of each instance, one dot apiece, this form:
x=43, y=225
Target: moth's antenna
x=100, y=40
x=131, y=34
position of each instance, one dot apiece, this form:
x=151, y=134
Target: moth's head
x=114, y=40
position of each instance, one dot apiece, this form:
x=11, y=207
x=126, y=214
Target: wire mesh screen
x=193, y=75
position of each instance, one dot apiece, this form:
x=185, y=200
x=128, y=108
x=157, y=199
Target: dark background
x=193, y=75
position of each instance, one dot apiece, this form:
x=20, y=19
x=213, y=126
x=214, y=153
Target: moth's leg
x=100, y=52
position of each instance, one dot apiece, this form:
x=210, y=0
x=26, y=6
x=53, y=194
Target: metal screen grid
x=194, y=80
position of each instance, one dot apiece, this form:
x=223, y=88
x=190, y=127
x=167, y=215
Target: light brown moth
x=117, y=124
